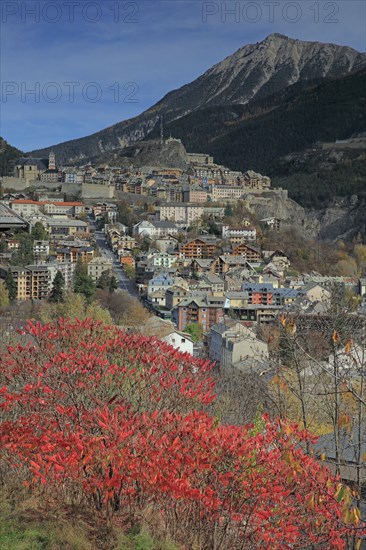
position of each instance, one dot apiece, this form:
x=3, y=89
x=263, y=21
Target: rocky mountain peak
x=253, y=72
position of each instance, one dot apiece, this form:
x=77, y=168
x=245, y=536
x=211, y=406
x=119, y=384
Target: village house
x=174, y=295
x=271, y=223
x=199, y=266
x=165, y=330
x=227, y=262
x=160, y=282
x=215, y=283
x=166, y=244
x=194, y=193
x=254, y=181
x=99, y=265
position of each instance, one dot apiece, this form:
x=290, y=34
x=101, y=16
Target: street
x=124, y=282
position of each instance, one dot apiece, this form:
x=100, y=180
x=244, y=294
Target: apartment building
x=41, y=248
x=231, y=342
x=179, y=213
x=237, y=234
x=32, y=281
x=250, y=253
x=67, y=270
x=27, y=207
x=221, y=193
x=198, y=248
x=74, y=253
x=204, y=311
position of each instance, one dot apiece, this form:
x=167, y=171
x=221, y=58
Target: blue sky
x=92, y=64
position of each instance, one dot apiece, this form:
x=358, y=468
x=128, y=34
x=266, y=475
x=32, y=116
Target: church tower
x=52, y=161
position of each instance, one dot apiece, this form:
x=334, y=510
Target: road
x=124, y=282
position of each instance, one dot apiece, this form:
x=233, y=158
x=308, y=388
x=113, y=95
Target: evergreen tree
x=4, y=295
x=11, y=286
x=107, y=281
x=24, y=255
x=3, y=245
x=228, y=210
x=57, y=293
x=39, y=233
x=83, y=283
x=113, y=284
x=104, y=280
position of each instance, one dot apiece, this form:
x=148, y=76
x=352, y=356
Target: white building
x=67, y=269
x=154, y=229
x=41, y=248
x=181, y=213
x=165, y=330
x=247, y=233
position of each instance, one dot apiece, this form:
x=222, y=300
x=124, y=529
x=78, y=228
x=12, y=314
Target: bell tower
x=52, y=161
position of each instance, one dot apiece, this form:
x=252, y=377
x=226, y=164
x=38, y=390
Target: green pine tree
x=83, y=283
x=104, y=280
x=57, y=292
x=113, y=284
x=11, y=286
x=39, y=233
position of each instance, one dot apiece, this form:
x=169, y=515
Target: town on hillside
x=186, y=256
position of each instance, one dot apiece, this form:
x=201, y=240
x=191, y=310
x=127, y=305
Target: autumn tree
x=125, y=310
x=118, y=422
x=74, y=306
x=319, y=378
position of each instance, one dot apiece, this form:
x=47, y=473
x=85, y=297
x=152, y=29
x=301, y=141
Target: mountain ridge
x=253, y=72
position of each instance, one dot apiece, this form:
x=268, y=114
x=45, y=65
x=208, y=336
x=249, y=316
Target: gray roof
x=348, y=443
x=212, y=278
x=9, y=219
x=42, y=164
x=164, y=224
x=66, y=223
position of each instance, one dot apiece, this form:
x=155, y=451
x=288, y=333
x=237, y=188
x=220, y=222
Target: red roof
x=26, y=201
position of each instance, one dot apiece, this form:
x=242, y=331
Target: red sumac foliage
x=120, y=418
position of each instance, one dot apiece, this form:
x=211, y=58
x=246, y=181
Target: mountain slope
x=254, y=72
x=256, y=135
x=8, y=155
